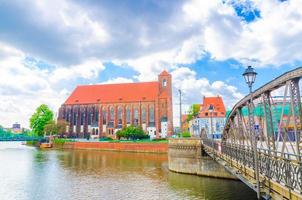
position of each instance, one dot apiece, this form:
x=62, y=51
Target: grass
x=31, y=143
x=61, y=141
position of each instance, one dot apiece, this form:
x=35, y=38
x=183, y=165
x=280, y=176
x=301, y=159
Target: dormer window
x=164, y=83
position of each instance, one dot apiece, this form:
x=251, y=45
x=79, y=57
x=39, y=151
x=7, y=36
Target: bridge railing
x=285, y=171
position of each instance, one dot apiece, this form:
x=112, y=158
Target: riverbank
x=143, y=147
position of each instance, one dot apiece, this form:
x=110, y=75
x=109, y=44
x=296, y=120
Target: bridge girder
x=272, y=130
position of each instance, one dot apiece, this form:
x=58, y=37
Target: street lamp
x=180, y=113
x=211, y=109
x=250, y=76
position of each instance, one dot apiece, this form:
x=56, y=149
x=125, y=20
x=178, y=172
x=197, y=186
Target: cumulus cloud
x=194, y=89
x=24, y=87
x=118, y=80
x=87, y=70
x=75, y=38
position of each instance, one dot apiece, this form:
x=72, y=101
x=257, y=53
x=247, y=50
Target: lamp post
x=211, y=109
x=180, y=113
x=250, y=76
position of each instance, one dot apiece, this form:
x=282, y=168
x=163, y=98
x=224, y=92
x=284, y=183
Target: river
x=27, y=173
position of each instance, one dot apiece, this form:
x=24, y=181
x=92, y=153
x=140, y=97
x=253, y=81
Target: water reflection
x=32, y=174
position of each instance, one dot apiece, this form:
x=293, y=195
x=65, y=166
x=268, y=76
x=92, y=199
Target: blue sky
x=47, y=48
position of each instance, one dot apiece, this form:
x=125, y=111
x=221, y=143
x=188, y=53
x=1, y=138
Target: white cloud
x=87, y=70
x=88, y=37
x=23, y=87
x=273, y=39
x=70, y=18
x=118, y=80
x=194, y=89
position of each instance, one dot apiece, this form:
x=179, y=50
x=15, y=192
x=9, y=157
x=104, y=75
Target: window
x=111, y=117
x=135, y=116
x=82, y=118
x=68, y=116
x=104, y=116
x=89, y=117
x=143, y=115
x=217, y=126
x=74, y=118
x=128, y=114
x=96, y=117
x=151, y=116
x=120, y=115
x=164, y=83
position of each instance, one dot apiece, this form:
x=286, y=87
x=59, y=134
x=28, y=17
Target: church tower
x=165, y=103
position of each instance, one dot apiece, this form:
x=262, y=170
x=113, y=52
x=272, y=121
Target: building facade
x=210, y=122
x=102, y=110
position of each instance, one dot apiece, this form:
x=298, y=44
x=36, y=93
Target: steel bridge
x=263, y=148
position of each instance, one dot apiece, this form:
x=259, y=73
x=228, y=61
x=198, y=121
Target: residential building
x=209, y=122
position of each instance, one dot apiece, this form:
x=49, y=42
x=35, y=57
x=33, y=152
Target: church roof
x=113, y=93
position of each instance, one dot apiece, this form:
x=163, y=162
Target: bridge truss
x=272, y=120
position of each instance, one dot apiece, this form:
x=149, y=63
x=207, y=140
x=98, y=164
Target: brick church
x=101, y=110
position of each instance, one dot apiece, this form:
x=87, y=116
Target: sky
x=49, y=47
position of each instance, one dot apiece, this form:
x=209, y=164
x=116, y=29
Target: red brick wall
x=137, y=147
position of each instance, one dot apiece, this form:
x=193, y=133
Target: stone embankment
x=186, y=156
x=112, y=146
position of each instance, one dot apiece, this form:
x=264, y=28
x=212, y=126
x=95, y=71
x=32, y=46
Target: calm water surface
x=27, y=173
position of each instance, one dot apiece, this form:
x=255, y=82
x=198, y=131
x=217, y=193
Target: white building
x=198, y=124
x=211, y=118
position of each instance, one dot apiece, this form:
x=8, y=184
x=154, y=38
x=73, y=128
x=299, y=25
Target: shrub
x=132, y=132
x=105, y=139
x=32, y=143
x=186, y=134
x=59, y=141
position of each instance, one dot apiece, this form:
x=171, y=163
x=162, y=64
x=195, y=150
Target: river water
x=27, y=173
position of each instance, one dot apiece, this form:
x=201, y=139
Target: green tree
x=40, y=118
x=61, y=126
x=51, y=128
x=132, y=132
x=120, y=134
x=193, y=112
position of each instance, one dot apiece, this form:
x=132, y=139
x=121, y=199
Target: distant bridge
x=265, y=147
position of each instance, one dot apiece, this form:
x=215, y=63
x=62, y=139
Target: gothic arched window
x=120, y=115
x=128, y=115
x=104, y=116
x=135, y=116
x=143, y=115
x=96, y=117
x=82, y=118
x=75, y=118
x=164, y=83
x=151, y=116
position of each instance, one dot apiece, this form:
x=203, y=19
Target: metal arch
x=268, y=121
x=272, y=85
x=296, y=112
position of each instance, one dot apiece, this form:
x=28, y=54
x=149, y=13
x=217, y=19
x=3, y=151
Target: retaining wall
x=130, y=147
x=186, y=156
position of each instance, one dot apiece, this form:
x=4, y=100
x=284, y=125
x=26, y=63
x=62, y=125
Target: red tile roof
x=109, y=93
x=217, y=102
